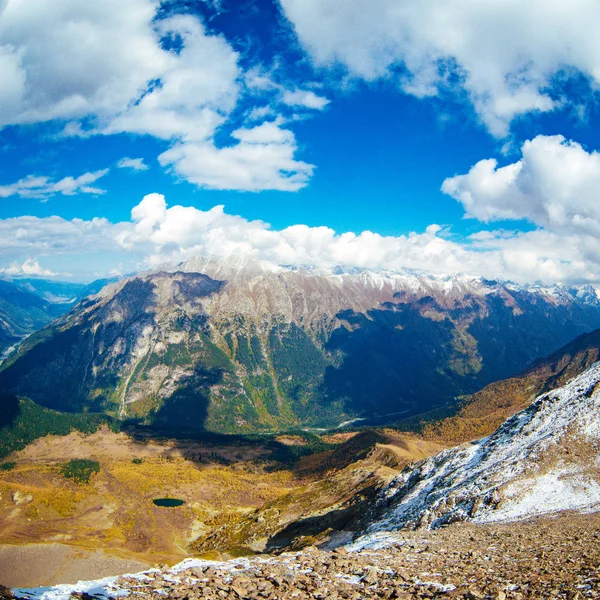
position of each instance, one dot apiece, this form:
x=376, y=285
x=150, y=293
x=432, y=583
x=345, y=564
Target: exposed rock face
x=542, y=460
x=243, y=346
x=21, y=499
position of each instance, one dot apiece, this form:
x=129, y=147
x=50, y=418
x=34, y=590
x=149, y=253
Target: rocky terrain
x=545, y=558
x=542, y=460
x=243, y=346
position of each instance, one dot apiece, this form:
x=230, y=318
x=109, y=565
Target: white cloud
x=503, y=53
x=176, y=233
x=260, y=113
x=31, y=267
x=54, y=236
x=68, y=59
x=157, y=233
x=105, y=68
x=137, y=164
x=193, y=94
x=555, y=185
x=263, y=159
x=34, y=186
x=304, y=98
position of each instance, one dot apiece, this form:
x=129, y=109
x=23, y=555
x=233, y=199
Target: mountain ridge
x=540, y=461
x=249, y=346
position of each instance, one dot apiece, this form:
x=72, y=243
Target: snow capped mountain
x=542, y=460
x=238, y=268
x=239, y=345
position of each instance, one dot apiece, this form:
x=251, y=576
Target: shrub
x=8, y=466
x=137, y=461
x=80, y=469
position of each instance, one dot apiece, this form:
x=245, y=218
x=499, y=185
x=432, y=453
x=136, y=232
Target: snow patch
x=505, y=476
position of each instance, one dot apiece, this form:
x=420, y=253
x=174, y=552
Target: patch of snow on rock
x=520, y=471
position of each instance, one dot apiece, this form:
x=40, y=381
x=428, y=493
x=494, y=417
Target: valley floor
x=546, y=558
x=112, y=520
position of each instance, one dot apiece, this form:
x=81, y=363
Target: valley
x=226, y=410
x=220, y=481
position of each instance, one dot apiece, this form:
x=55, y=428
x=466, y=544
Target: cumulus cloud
x=172, y=234
x=34, y=186
x=136, y=164
x=54, y=235
x=157, y=233
x=109, y=68
x=304, y=98
x=191, y=96
x=31, y=267
x=262, y=159
x=504, y=54
x=68, y=59
x=555, y=185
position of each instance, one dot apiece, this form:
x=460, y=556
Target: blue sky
x=330, y=132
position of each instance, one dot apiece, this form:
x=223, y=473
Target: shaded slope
x=21, y=313
x=483, y=412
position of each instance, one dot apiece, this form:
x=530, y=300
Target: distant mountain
x=240, y=345
x=29, y=304
x=542, y=460
x=21, y=313
x=61, y=292
x=55, y=292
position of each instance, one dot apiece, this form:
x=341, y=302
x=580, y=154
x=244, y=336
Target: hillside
x=22, y=312
x=357, y=492
x=245, y=346
x=542, y=460
x=483, y=412
x=27, y=305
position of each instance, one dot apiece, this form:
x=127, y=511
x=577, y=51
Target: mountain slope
x=240, y=345
x=542, y=460
x=483, y=412
x=27, y=305
x=21, y=313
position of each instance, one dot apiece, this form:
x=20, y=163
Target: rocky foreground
x=543, y=558
x=547, y=558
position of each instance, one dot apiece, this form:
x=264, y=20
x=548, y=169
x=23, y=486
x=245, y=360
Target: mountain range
x=239, y=345
x=28, y=304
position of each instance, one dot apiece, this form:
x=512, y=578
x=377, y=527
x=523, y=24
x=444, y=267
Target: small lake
x=168, y=502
